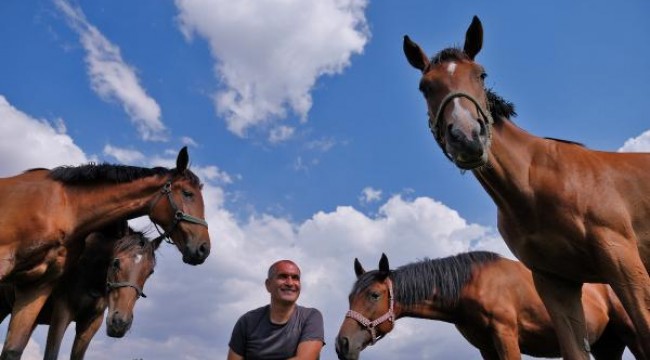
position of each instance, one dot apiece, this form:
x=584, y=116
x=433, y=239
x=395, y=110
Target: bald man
x=283, y=329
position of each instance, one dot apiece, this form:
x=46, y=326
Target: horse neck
x=506, y=176
x=426, y=309
x=103, y=204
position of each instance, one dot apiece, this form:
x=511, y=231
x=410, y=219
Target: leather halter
x=116, y=285
x=179, y=215
x=371, y=325
x=435, y=121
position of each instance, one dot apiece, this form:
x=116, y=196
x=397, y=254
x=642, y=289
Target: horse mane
x=419, y=281
x=109, y=173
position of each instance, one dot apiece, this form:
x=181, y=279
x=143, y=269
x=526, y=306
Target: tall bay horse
x=110, y=273
x=491, y=301
x=570, y=214
x=45, y=215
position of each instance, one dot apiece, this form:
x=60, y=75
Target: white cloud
x=280, y=134
x=112, y=78
x=124, y=156
x=368, y=195
x=269, y=53
x=26, y=142
x=186, y=140
x=640, y=143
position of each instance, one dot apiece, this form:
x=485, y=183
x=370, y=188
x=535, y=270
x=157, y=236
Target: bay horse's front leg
x=59, y=321
x=86, y=329
x=625, y=272
x=506, y=341
x=562, y=300
x=29, y=302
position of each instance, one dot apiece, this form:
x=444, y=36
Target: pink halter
x=371, y=325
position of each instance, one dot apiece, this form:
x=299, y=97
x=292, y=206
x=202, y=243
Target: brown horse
x=570, y=214
x=491, y=301
x=111, y=273
x=45, y=216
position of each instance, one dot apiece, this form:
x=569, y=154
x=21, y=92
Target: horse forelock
x=444, y=278
x=449, y=54
x=133, y=241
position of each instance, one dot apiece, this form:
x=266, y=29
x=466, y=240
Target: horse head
x=453, y=86
x=371, y=314
x=179, y=209
x=132, y=264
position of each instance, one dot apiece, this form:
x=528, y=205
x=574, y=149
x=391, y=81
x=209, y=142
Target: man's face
x=284, y=284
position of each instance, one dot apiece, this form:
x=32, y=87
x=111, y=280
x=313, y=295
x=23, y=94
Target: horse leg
x=625, y=272
x=609, y=346
x=562, y=299
x=85, y=332
x=506, y=342
x=489, y=354
x=61, y=318
x=29, y=302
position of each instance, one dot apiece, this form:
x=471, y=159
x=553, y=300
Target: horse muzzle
x=196, y=255
x=347, y=349
x=468, y=150
x=117, y=324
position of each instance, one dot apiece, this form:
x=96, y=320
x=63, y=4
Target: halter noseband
x=371, y=325
x=435, y=121
x=179, y=215
x=115, y=285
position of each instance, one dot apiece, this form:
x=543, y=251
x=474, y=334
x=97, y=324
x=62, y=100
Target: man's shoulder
x=255, y=314
x=308, y=312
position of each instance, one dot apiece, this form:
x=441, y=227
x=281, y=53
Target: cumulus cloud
x=368, y=195
x=26, y=142
x=269, y=53
x=640, y=143
x=124, y=156
x=112, y=78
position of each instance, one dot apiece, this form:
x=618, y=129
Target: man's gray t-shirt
x=255, y=337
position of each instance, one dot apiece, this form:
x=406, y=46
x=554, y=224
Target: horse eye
x=374, y=296
x=116, y=263
x=483, y=76
x=187, y=193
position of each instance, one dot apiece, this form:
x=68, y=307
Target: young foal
x=111, y=273
x=490, y=299
x=570, y=214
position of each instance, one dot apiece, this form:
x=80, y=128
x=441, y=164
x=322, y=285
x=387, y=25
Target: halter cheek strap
x=371, y=325
x=179, y=215
x=115, y=285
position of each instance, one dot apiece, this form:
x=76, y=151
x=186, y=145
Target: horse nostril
x=342, y=345
x=203, y=249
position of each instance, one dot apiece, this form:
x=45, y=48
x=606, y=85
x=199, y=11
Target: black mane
x=108, y=173
x=419, y=281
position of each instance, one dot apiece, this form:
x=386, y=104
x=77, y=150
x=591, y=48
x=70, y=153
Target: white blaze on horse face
x=460, y=115
x=138, y=258
x=451, y=68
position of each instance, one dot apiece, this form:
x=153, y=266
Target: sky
x=304, y=121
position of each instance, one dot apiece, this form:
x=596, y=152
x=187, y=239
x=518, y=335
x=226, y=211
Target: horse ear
x=414, y=54
x=182, y=160
x=473, y=38
x=383, y=264
x=358, y=269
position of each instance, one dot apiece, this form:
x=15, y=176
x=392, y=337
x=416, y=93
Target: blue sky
x=304, y=120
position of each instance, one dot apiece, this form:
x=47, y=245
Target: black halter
x=179, y=215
